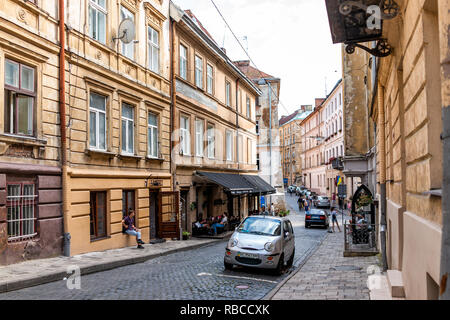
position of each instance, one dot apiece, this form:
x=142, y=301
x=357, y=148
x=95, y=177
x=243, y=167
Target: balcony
x=337, y=164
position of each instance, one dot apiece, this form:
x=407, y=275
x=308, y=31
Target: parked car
x=322, y=202
x=262, y=242
x=317, y=217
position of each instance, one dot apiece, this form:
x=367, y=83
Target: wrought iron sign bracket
x=382, y=49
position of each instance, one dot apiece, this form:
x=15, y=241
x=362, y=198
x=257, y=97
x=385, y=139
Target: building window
x=199, y=72
x=153, y=50
x=153, y=141
x=20, y=206
x=183, y=62
x=248, y=108
x=228, y=93
x=199, y=133
x=127, y=129
x=20, y=96
x=257, y=127
x=249, y=151
x=128, y=203
x=241, y=148
x=97, y=121
x=97, y=20
x=98, y=215
x=229, y=145
x=127, y=48
x=185, y=136
x=211, y=142
x=257, y=161
x=210, y=79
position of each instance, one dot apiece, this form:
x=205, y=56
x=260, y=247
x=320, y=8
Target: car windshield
x=266, y=227
x=323, y=198
x=317, y=212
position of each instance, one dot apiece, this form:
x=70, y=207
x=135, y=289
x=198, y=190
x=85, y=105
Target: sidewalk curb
x=275, y=290
x=94, y=268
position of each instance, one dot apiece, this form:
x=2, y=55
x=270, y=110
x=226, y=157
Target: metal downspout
x=270, y=135
x=445, y=249
x=381, y=121
x=62, y=114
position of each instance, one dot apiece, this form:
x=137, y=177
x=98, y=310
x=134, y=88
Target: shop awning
x=238, y=184
x=233, y=183
x=260, y=185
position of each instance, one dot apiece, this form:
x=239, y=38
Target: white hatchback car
x=262, y=242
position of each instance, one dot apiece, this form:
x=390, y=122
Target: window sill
x=99, y=153
x=100, y=239
x=151, y=159
x=129, y=157
x=434, y=193
x=25, y=140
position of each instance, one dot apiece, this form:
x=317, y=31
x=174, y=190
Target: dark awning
x=260, y=185
x=233, y=183
x=239, y=184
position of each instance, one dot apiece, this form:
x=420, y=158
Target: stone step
x=395, y=282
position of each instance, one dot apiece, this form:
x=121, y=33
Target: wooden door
x=168, y=215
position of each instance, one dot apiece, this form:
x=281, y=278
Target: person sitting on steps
x=131, y=230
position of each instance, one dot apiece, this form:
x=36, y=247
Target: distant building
x=269, y=149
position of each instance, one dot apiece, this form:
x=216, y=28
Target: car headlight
x=269, y=246
x=234, y=243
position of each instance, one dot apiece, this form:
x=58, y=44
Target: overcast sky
x=288, y=39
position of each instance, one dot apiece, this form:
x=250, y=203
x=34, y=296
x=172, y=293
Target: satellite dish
x=127, y=31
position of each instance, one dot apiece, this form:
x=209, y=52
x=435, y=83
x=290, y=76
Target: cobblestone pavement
x=196, y=274
x=327, y=275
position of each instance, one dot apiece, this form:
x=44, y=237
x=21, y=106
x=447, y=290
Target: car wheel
x=306, y=226
x=291, y=260
x=279, y=270
x=228, y=266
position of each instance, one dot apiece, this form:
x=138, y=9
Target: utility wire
x=251, y=60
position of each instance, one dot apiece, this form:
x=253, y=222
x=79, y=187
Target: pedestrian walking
x=306, y=204
x=272, y=209
x=334, y=219
x=300, y=203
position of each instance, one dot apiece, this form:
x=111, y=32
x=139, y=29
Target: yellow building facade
x=118, y=127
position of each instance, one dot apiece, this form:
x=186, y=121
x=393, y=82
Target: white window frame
x=199, y=137
x=151, y=153
x=97, y=113
x=127, y=48
x=185, y=139
x=153, y=48
x=98, y=9
x=209, y=79
x=228, y=93
x=211, y=141
x=199, y=72
x=127, y=133
x=229, y=145
x=183, y=62
x=16, y=203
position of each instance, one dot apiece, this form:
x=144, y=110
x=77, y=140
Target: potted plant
x=364, y=201
x=186, y=235
x=193, y=206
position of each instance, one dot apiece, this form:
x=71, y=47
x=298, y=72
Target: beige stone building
x=118, y=124
x=291, y=146
x=404, y=94
x=31, y=224
x=214, y=134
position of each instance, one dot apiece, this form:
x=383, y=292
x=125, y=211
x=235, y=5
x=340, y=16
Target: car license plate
x=247, y=255
x=316, y=218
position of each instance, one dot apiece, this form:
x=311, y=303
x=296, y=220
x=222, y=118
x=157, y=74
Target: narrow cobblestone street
x=196, y=274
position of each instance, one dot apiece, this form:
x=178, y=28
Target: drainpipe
x=62, y=114
x=270, y=134
x=381, y=121
x=173, y=94
x=445, y=250
x=237, y=139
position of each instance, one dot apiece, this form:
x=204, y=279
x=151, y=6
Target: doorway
x=154, y=214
